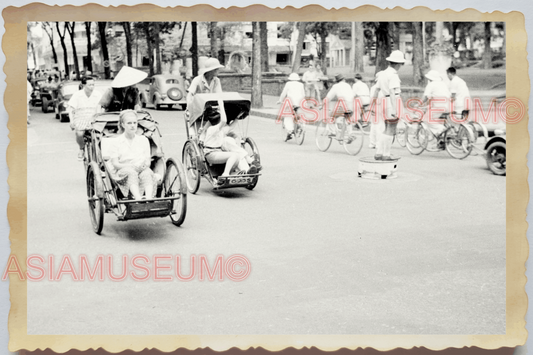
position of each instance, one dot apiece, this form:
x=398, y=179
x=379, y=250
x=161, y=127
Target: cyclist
x=340, y=91
x=294, y=91
x=460, y=95
x=437, y=95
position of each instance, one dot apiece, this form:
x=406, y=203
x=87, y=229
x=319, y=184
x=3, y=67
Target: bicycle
x=299, y=132
x=352, y=142
x=456, y=138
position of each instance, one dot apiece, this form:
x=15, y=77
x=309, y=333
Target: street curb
x=257, y=113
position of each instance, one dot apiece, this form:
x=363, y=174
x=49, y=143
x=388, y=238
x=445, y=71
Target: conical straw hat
x=128, y=76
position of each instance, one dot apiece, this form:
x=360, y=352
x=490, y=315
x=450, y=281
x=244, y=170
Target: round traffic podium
x=369, y=168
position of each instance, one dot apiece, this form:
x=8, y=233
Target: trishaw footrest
x=145, y=210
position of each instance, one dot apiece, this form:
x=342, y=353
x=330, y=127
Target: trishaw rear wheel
x=299, y=133
x=95, y=188
x=192, y=172
x=253, y=151
x=174, y=185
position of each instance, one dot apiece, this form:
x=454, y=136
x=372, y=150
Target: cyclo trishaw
x=237, y=109
x=103, y=193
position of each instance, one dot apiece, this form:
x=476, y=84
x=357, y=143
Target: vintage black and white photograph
x=263, y=178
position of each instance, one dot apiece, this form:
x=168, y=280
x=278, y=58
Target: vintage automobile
x=49, y=91
x=66, y=89
x=36, y=94
x=496, y=152
x=164, y=89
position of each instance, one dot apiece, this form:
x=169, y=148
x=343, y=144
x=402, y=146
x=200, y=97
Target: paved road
x=330, y=253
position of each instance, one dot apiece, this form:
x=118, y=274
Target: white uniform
x=459, y=88
x=437, y=90
x=340, y=91
x=388, y=82
x=295, y=92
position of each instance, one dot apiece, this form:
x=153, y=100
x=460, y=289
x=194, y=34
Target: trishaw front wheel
x=95, y=197
x=192, y=171
x=174, y=185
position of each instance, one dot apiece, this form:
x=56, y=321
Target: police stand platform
x=369, y=168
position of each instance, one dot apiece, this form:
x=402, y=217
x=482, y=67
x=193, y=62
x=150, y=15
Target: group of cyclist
x=441, y=96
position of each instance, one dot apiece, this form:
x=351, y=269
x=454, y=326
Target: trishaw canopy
x=235, y=105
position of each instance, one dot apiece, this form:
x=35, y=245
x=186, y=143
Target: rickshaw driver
x=81, y=108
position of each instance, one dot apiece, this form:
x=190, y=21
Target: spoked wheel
x=496, y=158
x=174, y=185
x=458, y=142
x=253, y=151
x=401, y=135
x=95, y=197
x=353, y=142
x=322, y=138
x=190, y=157
x=299, y=133
x=416, y=138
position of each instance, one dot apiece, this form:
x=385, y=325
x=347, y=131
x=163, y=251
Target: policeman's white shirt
x=388, y=81
x=460, y=89
x=295, y=92
x=339, y=91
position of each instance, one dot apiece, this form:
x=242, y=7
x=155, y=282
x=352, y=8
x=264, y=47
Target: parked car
x=36, y=94
x=64, y=93
x=165, y=89
x=48, y=92
x=496, y=152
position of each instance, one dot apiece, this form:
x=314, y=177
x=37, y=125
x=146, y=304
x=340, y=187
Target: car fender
x=495, y=139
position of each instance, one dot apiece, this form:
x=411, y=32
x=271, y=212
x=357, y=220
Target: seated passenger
x=130, y=155
x=217, y=150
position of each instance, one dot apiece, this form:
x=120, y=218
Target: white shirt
x=459, y=88
x=136, y=150
x=83, y=106
x=199, y=85
x=361, y=90
x=388, y=81
x=438, y=90
x=295, y=92
x=310, y=77
x=339, y=91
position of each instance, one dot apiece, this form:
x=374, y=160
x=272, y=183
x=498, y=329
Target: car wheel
x=45, y=105
x=496, y=158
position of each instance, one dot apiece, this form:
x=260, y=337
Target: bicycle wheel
x=174, y=185
x=401, y=135
x=299, y=133
x=353, y=142
x=190, y=158
x=322, y=138
x=95, y=197
x=416, y=138
x=458, y=142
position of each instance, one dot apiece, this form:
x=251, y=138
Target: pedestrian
x=123, y=93
x=339, y=100
x=375, y=125
x=437, y=97
x=361, y=92
x=389, y=101
x=81, y=109
x=293, y=91
x=310, y=79
x=460, y=95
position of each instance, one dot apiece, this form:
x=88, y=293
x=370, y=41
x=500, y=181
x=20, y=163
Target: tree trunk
x=264, y=46
x=70, y=28
x=146, y=28
x=33, y=55
x=64, y=46
x=418, y=54
x=89, y=56
x=50, y=32
x=129, y=52
x=487, y=54
x=213, y=38
x=194, y=48
x=359, y=48
x=158, y=69
x=439, y=27
x=105, y=52
x=257, y=96
x=395, y=29
x=323, y=47
x=299, y=47
x=383, y=47
x=455, y=26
